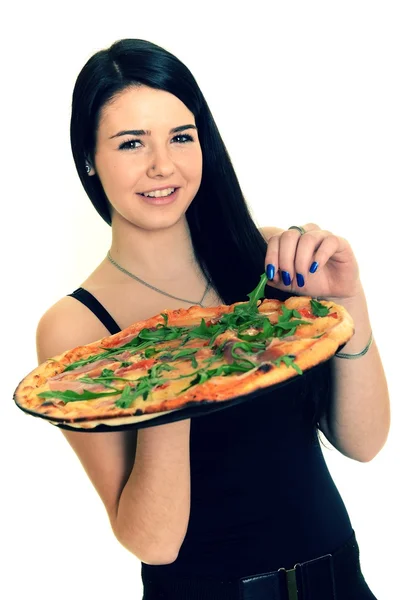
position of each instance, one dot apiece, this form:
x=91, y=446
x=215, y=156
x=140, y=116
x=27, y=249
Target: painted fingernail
x=313, y=267
x=270, y=271
x=300, y=280
x=286, y=277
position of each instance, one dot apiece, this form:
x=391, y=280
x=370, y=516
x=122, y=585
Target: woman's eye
x=127, y=146
x=184, y=139
x=188, y=138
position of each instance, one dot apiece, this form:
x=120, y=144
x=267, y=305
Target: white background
x=306, y=97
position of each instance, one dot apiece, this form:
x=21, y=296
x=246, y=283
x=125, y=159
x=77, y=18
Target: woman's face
x=130, y=164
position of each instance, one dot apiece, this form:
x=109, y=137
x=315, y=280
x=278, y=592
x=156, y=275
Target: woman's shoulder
x=70, y=320
x=67, y=324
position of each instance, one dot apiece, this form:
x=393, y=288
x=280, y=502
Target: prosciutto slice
x=94, y=366
x=76, y=386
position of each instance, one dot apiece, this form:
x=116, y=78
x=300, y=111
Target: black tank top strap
x=98, y=309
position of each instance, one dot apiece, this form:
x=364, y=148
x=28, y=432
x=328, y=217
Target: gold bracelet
x=367, y=347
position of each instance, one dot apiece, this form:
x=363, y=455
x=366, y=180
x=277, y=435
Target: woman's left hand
x=293, y=255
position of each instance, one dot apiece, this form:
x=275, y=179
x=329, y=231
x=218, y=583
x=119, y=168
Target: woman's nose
x=161, y=162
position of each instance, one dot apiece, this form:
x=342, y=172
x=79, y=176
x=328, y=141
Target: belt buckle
x=291, y=582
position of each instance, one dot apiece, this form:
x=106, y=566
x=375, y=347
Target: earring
x=87, y=168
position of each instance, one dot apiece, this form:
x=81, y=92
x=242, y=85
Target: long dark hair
x=227, y=244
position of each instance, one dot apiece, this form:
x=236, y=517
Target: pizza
x=185, y=357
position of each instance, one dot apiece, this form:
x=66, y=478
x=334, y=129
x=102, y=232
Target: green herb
x=149, y=352
x=143, y=388
x=166, y=356
x=318, y=309
x=185, y=353
x=126, y=398
x=257, y=293
x=287, y=323
x=107, y=373
x=134, y=343
x=144, y=385
x=247, y=348
x=101, y=379
x=85, y=361
x=69, y=396
x=204, y=375
x=288, y=360
x=204, y=331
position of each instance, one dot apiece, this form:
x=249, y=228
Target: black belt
x=310, y=580
x=328, y=577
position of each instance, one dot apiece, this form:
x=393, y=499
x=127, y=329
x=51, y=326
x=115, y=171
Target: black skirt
x=335, y=576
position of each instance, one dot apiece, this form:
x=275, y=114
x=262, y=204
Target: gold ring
x=302, y=231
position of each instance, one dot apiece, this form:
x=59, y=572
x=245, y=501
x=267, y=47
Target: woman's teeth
x=160, y=193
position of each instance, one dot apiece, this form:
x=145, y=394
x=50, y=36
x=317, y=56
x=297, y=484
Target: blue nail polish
x=300, y=280
x=313, y=267
x=286, y=277
x=270, y=271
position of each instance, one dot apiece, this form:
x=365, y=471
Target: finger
x=273, y=264
x=326, y=249
x=272, y=259
x=306, y=252
x=288, y=242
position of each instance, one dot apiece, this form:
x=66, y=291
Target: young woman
x=238, y=503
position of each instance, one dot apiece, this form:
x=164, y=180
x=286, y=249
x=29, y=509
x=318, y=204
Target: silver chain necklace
x=154, y=288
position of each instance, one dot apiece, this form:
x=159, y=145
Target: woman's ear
x=89, y=168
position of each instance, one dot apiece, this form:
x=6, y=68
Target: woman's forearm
x=358, y=420
x=154, y=507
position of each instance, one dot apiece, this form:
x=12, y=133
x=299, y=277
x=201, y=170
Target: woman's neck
x=161, y=255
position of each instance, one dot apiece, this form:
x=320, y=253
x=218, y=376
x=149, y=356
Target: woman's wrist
x=356, y=306
x=355, y=355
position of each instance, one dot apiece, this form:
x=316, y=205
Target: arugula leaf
x=149, y=352
x=204, y=331
x=258, y=292
x=126, y=398
x=288, y=360
x=318, y=309
x=69, y=396
x=85, y=361
x=185, y=353
x=205, y=375
x=107, y=373
x=160, y=334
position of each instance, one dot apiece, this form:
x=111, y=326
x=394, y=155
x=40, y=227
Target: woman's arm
x=154, y=507
x=358, y=419
x=143, y=477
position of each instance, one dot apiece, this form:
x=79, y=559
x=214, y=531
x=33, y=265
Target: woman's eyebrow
x=148, y=132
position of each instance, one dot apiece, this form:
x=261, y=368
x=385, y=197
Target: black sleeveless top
x=261, y=494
